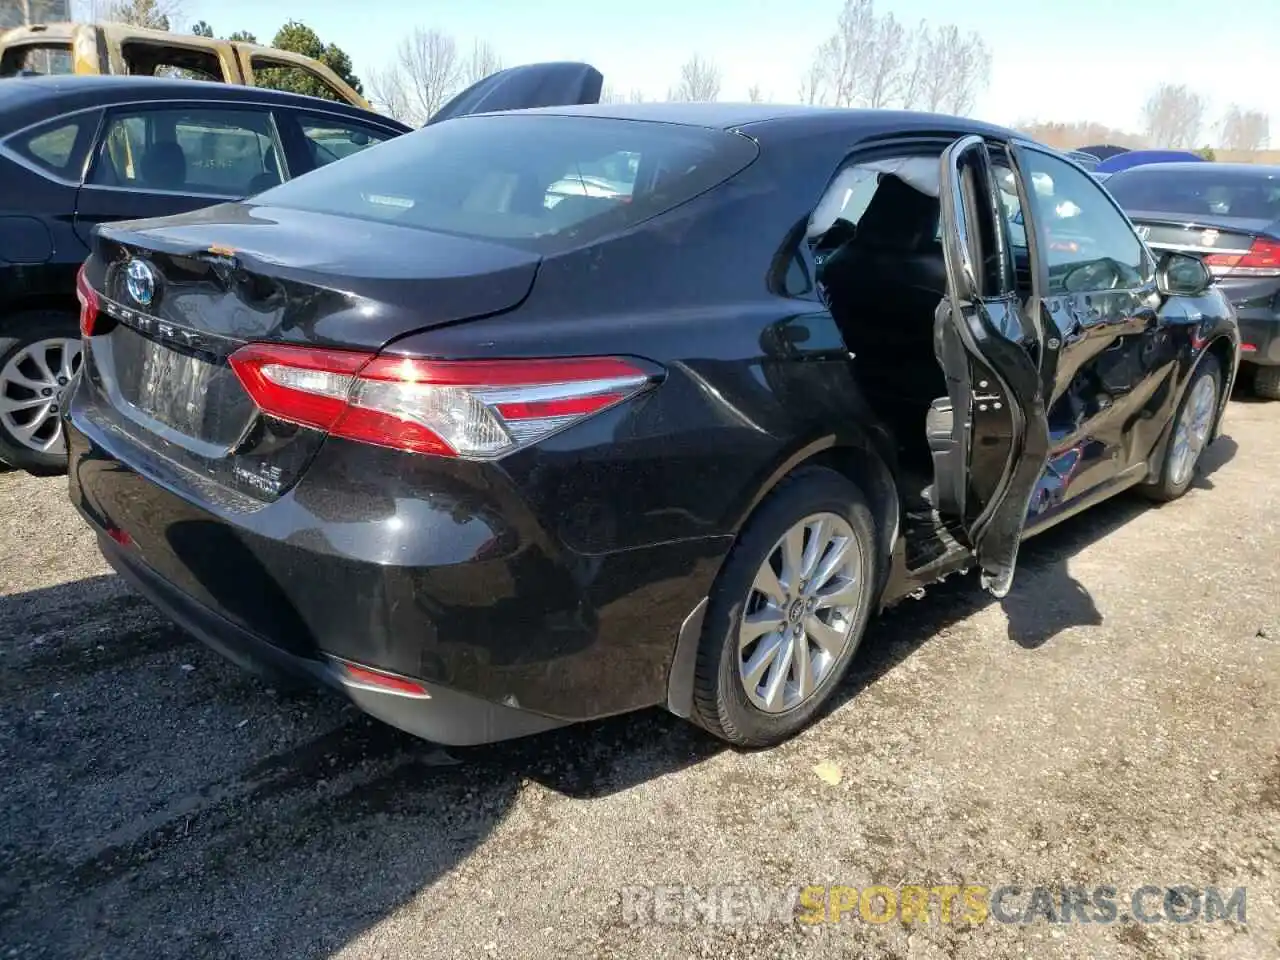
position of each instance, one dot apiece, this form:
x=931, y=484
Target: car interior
x=876, y=242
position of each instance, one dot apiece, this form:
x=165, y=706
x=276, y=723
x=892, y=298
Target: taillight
x=89, y=304
x=476, y=409
x=1262, y=260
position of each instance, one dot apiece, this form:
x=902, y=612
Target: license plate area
x=194, y=396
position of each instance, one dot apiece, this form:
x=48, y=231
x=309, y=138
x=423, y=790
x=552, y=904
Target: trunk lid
x=1202, y=234
x=180, y=295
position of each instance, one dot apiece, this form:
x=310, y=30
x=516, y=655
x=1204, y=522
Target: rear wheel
x=37, y=361
x=788, y=610
x=1192, y=428
x=1266, y=383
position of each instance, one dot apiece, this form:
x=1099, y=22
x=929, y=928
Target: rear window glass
x=1249, y=194
x=544, y=182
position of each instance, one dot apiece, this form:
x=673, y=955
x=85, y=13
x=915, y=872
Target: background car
x=78, y=151
x=125, y=50
x=1229, y=215
x=492, y=464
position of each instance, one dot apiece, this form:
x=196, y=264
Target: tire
x=725, y=704
x=45, y=453
x=1176, y=477
x=1266, y=383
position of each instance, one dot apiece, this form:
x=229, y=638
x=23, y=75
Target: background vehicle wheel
x=1266, y=382
x=1191, y=430
x=37, y=361
x=788, y=610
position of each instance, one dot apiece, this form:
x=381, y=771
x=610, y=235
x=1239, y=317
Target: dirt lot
x=1113, y=722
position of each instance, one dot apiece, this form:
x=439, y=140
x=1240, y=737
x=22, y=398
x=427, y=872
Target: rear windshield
x=1254, y=195
x=539, y=181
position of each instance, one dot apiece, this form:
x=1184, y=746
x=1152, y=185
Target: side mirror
x=1180, y=274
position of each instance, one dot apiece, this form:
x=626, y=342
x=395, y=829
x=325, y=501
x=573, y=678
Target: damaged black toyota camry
x=537, y=416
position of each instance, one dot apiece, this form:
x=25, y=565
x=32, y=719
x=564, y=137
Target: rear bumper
x=1257, y=306
x=445, y=716
x=1260, y=340
x=449, y=580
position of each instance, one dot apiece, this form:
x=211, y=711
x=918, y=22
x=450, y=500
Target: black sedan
x=79, y=151
x=1229, y=215
x=493, y=456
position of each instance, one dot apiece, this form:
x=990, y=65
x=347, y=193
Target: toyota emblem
x=140, y=280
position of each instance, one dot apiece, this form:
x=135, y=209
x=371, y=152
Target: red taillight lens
x=477, y=409
x=89, y=304
x=1262, y=260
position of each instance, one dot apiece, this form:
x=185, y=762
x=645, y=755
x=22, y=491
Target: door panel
x=1106, y=324
x=989, y=346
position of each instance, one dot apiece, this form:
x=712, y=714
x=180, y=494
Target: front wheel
x=788, y=610
x=1192, y=427
x=37, y=361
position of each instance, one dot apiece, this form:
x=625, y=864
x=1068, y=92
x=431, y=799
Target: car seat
x=164, y=166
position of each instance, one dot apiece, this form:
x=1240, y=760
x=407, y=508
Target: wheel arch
x=852, y=457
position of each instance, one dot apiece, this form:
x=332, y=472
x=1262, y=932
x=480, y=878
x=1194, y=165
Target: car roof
x=1208, y=169
x=52, y=95
x=728, y=116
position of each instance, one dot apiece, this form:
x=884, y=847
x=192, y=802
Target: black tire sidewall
x=1266, y=382
x=22, y=330
x=721, y=703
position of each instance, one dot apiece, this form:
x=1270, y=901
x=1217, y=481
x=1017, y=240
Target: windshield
x=541, y=181
x=1254, y=195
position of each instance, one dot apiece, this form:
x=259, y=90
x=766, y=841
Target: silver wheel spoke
x=793, y=557
x=25, y=432
x=778, y=671
x=831, y=562
x=804, y=667
x=813, y=550
x=13, y=375
x=839, y=594
x=755, y=625
x=824, y=635
x=70, y=360
x=767, y=583
x=9, y=406
x=766, y=652
x=40, y=356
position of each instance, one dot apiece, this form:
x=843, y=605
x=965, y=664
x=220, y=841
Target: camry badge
x=140, y=281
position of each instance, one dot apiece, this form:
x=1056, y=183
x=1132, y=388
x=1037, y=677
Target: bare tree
x=965, y=61
x=1173, y=116
x=813, y=84
x=885, y=75
x=699, y=80
x=636, y=96
x=483, y=62
x=1245, y=130
x=427, y=71
x=844, y=58
x=873, y=60
x=754, y=95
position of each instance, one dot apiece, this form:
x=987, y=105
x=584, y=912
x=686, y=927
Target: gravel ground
x=1113, y=722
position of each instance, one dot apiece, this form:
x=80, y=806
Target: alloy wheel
x=32, y=384
x=1192, y=431
x=800, y=612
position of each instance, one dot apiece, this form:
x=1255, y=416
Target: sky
x=1060, y=60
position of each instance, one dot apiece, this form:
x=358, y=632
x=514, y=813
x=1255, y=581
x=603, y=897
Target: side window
x=223, y=152
x=1091, y=246
x=282, y=75
x=332, y=138
x=58, y=147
